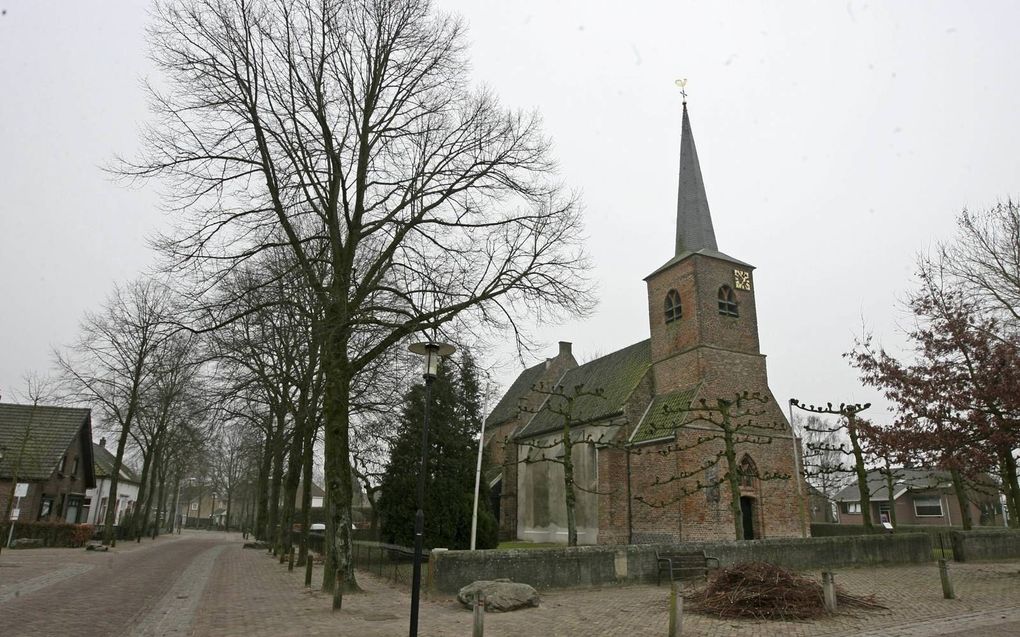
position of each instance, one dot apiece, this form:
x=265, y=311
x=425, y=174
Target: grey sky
x=836, y=141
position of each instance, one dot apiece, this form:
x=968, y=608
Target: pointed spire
x=693, y=219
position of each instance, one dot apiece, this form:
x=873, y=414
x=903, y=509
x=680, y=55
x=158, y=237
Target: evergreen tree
x=454, y=423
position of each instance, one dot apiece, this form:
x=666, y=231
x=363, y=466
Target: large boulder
x=501, y=595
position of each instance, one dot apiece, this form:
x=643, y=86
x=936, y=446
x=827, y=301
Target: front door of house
x=747, y=515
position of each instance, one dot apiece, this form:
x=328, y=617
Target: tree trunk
x=306, y=495
x=177, y=503
x=294, y=463
x=109, y=537
x=889, y=484
x=960, y=490
x=568, y=485
x=862, y=472
x=733, y=478
x=142, y=525
x=262, y=490
x=1010, y=488
x=339, y=489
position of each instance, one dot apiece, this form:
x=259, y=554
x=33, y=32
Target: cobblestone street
x=206, y=584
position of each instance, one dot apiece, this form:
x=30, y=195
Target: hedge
x=53, y=534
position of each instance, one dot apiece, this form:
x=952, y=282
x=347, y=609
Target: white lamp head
x=432, y=352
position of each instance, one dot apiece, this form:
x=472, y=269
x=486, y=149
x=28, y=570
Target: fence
x=390, y=561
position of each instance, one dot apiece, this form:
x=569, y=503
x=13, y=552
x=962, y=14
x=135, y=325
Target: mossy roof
x=104, y=465
x=509, y=406
x=664, y=415
x=615, y=375
x=35, y=437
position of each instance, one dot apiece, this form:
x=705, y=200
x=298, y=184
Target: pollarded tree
x=348, y=132
x=729, y=425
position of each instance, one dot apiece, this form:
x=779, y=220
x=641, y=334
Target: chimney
x=102, y=443
x=565, y=348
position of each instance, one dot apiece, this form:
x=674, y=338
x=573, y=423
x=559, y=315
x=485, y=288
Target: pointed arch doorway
x=747, y=516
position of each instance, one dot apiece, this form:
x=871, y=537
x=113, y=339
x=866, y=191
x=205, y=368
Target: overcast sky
x=837, y=140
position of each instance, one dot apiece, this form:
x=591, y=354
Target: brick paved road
x=205, y=584
x=80, y=593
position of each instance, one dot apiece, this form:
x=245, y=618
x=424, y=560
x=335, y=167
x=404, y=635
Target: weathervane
x=682, y=84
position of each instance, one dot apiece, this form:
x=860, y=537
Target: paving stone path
x=205, y=584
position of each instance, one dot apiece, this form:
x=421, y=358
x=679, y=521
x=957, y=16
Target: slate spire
x=693, y=220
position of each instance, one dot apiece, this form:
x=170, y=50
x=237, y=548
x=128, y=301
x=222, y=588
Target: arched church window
x=747, y=471
x=727, y=301
x=673, y=309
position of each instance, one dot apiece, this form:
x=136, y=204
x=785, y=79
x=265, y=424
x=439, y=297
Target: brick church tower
x=647, y=467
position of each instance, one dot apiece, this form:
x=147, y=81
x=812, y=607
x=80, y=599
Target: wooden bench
x=684, y=565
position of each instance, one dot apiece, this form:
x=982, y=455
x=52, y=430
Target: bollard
x=308, y=571
x=947, y=585
x=290, y=561
x=479, y=626
x=676, y=610
x=829, y=590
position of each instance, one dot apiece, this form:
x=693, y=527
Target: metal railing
x=390, y=561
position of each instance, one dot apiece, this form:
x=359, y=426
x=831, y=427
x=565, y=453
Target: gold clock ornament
x=742, y=280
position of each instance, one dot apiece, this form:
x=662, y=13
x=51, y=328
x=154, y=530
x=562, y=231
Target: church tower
x=701, y=309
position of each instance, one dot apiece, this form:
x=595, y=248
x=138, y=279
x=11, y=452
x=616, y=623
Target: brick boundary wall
x=588, y=566
x=969, y=546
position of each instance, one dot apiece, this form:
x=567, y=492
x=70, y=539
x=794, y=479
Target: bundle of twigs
x=765, y=591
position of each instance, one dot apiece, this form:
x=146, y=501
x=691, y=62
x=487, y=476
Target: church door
x=747, y=513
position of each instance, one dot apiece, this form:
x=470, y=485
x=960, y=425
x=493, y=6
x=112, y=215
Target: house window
x=928, y=507
x=727, y=301
x=673, y=309
x=63, y=465
x=852, y=508
x=748, y=472
x=74, y=467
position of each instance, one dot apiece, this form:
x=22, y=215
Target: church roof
x=715, y=254
x=661, y=419
x=616, y=375
x=693, y=220
x=509, y=406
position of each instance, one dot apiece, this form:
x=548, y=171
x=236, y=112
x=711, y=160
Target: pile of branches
x=760, y=590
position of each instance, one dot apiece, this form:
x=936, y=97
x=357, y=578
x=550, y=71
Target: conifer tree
x=454, y=423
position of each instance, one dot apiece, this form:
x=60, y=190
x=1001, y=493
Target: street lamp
x=432, y=352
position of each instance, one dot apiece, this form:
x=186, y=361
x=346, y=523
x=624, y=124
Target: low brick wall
x=607, y=565
x=969, y=546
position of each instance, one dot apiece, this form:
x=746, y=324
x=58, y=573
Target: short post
x=290, y=560
x=479, y=626
x=308, y=571
x=947, y=584
x=676, y=610
x=829, y=590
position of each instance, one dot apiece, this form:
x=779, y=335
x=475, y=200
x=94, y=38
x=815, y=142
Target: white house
x=127, y=487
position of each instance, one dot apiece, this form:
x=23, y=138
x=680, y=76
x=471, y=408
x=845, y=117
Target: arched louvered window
x=673, y=309
x=748, y=472
x=727, y=301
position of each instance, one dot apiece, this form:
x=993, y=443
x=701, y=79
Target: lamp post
x=432, y=352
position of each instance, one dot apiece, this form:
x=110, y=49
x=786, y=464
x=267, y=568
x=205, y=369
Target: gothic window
x=748, y=472
x=727, y=301
x=673, y=309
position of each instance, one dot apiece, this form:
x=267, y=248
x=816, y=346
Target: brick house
x=920, y=496
x=640, y=475
x=50, y=448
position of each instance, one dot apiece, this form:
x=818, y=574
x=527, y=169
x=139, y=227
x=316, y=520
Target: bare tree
x=111, y=365
x=721, y=426
x=348, y=129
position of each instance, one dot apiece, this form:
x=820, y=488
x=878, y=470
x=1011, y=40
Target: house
x=128, y=484
x=50, y=449
x=920, y=496
x=641, y=474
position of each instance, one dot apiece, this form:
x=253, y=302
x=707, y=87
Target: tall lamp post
x=432, y=353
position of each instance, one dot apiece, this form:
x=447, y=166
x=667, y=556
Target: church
x=670, y=439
